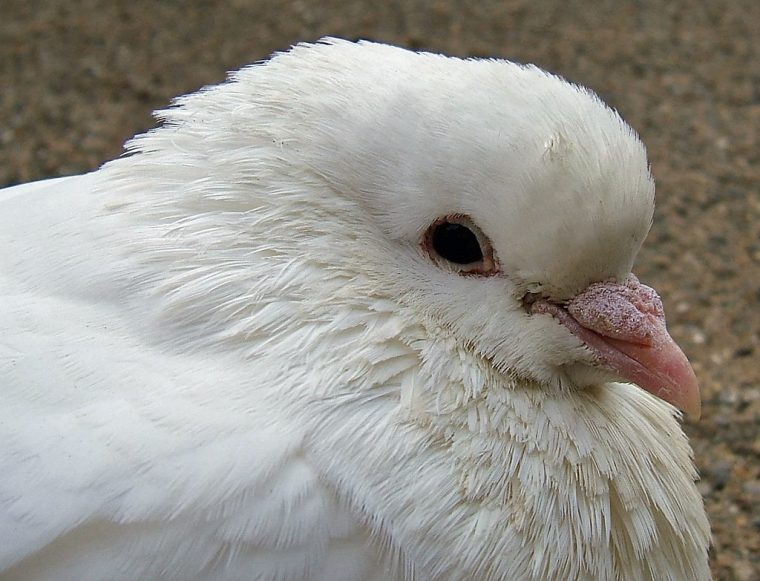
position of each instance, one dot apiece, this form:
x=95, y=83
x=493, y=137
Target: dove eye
x=456, y=241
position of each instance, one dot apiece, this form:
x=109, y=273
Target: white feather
x=225, y=356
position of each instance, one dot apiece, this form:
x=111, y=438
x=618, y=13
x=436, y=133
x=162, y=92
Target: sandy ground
x=77, y=77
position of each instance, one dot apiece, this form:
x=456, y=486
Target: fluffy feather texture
x=225, y=356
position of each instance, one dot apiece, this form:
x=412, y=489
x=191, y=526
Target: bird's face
x=503, y=206
x=504, y=225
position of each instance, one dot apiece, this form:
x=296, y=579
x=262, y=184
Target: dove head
x=553, y=184
x=388, y=161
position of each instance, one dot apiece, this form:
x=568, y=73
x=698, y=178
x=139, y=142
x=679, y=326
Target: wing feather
x=114, y=447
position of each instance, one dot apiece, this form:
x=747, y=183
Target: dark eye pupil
x=456, y=243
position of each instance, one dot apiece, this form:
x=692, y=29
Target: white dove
x=358, y=313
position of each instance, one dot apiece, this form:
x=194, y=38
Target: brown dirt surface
x=78, y=77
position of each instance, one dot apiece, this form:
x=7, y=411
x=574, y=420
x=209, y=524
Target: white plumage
x=239, y=352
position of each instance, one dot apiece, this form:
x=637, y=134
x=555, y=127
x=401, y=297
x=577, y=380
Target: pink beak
x=624, y=325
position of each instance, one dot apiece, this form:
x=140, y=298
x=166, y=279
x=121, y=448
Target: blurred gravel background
x=78, y=77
